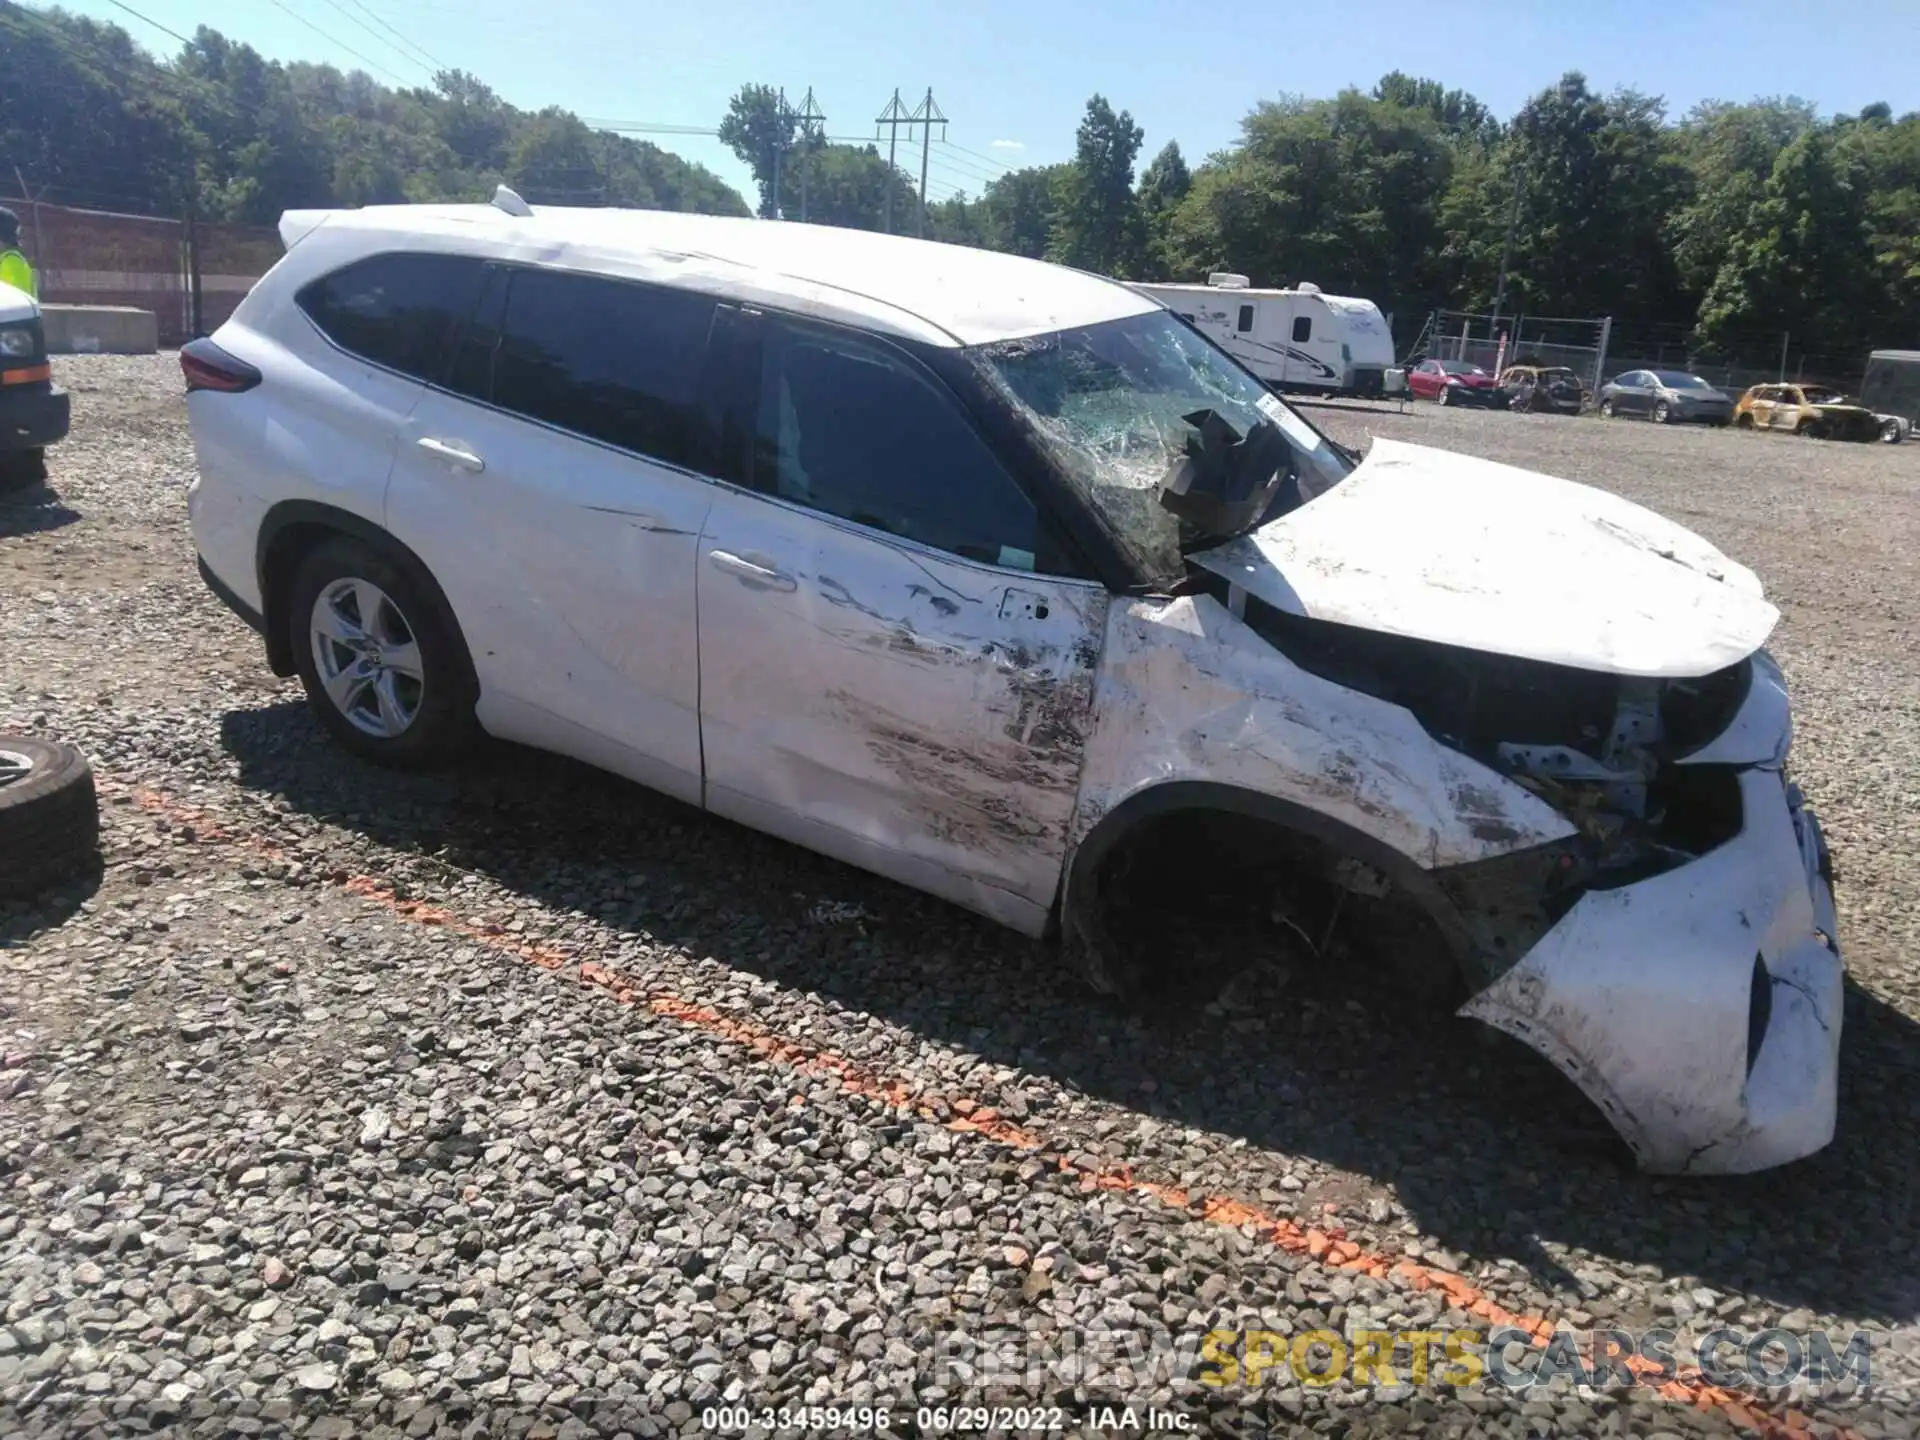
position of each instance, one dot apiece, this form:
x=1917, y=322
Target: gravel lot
x=522, y=1101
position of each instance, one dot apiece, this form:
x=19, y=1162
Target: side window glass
x=613, y=361
x=853, y=429
x=1246, y=319
x=1302, y=327
x=401, y=311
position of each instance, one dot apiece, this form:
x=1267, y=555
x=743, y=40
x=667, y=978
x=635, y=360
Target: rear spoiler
x=296, y=225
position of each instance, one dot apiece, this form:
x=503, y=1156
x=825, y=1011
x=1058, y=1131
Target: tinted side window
x=1302, y=327
x=856, y=430
x=613, y=361
x=1246, y=319
x=401, y=311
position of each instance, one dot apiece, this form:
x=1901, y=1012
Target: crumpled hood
x=1458, y=551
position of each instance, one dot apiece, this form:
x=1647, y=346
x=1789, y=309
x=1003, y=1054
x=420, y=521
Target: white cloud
x=1009, y=145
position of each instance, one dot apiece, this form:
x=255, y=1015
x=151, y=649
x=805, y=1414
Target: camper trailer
x=1299, y=339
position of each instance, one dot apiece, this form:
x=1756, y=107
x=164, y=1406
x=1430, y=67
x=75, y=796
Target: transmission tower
x=813, y=130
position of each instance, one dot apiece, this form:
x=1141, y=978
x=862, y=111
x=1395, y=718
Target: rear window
x=401, y=311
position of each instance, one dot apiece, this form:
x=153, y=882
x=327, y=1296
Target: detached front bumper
x=1700, y=1009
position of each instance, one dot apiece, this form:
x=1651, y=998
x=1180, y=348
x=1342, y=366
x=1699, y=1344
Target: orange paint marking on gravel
x=1328, y=1247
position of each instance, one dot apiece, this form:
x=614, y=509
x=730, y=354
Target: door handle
x=457, y=456
x=741, y=568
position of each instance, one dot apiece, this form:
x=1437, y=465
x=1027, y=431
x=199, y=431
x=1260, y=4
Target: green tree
x=762, y=132
x=1803, y=261
x=1020, y=209
x=1163, y=185
x=1598, y=178
x=1729, y=152
x=1096, y=224
x=847, y=185
x=1457, y=113
x=1343, y=192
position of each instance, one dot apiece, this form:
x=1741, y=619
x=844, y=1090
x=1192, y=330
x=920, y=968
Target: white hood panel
x=1446, y=548
x=16, y=305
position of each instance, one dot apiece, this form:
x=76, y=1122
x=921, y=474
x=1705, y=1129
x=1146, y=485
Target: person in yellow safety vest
x=14, y=269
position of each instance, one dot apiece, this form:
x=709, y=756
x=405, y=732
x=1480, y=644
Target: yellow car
x=1810, y=410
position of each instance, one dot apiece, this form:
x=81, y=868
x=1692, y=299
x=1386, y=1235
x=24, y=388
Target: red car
x=1455, y=382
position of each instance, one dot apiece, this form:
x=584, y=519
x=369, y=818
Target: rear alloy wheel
x=1890, y=432
x=1445, y=397
x=1743, y=421
x=1661, y=414
x=383, y=663
x=49, y=816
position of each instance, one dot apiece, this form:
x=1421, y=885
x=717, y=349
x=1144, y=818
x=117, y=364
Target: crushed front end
x=1677, y=956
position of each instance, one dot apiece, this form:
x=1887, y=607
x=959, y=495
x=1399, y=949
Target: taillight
x=208, y=367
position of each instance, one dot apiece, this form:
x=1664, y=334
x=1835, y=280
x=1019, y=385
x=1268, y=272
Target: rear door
x=894, y=669
x=1631, y=397
x=1787, y=408
x=554, y=487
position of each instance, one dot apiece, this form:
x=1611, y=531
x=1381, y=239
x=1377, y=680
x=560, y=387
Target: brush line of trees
x=1725, y=227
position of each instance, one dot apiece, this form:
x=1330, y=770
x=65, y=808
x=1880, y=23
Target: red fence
x=95, y=257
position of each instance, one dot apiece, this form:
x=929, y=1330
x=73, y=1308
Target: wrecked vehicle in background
x=998, y=579
x=1543, y=389
x=1812, y=411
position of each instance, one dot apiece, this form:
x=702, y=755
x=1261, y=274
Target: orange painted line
x=1328, y=1247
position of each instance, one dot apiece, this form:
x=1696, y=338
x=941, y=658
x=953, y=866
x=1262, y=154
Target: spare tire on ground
x=49, y=816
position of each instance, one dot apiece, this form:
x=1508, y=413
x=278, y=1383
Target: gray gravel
x=520, y=1100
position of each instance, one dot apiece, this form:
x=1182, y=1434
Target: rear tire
x=1743, y=422
x=1606, y=410
x=1442, y=397
x=398, y=686
x=49, y=816
x=1661, y=414
x=1890, y=432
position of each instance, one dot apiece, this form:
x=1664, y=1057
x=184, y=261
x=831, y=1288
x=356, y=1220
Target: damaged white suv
x=998, y=579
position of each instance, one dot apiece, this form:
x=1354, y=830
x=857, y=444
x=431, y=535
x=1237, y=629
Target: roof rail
x=509, y=201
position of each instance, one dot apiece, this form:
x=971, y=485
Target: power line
x=279, y=5
x=430, y=56
x=1003, y=165
x=145, y=20
x=411, y=60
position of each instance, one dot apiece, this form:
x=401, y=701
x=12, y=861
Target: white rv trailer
x=1299, y=339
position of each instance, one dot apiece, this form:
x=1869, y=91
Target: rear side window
x=400, y=311
x=1246, y=319
x=613, y=361
x=1302, y=328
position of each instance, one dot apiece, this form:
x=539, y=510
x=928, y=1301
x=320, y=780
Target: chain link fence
x=190, y=275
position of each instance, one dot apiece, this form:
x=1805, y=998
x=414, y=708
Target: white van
x=33, y=410
x=1299, y=339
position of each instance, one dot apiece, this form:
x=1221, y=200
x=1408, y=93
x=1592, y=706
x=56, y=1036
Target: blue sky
x=1015, y=74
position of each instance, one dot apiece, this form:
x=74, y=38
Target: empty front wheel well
x=1185, y=883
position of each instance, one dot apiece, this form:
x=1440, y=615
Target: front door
x=888, y=674
x=552, y=489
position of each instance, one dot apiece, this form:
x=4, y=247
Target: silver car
x=1665, y=397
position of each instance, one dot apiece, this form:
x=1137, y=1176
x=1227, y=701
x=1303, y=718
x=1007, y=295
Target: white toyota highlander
x=998, y=579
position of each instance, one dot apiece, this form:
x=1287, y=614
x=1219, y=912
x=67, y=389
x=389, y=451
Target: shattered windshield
x=1117, y=405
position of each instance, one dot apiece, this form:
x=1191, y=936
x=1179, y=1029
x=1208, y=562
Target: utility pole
x=813, y=125
x=928, y=115
x=893, y=117
x=779, y=151
x=1506, y=249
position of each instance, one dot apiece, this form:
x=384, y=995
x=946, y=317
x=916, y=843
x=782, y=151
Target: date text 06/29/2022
x=943, y=1419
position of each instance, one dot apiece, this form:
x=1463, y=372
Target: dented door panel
x=916, y=714
x=1189, y=693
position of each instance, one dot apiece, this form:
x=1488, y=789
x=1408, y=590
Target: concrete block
x=100, y=330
